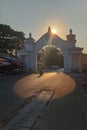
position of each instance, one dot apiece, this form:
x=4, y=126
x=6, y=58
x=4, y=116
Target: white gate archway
x=72, y=54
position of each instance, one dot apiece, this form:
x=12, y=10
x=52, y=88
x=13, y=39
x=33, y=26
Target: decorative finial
x=49, y=29
x=30, y=34
x=70, y=31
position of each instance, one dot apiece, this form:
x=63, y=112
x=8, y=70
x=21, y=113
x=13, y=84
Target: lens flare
x=54, y=31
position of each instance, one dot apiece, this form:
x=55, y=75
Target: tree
x=10, y=39
x=50, y=56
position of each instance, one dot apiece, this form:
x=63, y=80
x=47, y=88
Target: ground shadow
x=9, y=101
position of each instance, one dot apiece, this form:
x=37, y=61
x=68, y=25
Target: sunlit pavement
x=67, y=110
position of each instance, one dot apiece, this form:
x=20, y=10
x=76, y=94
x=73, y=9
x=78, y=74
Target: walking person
x=40, y=72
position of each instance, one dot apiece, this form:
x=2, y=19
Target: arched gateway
x=72, y=54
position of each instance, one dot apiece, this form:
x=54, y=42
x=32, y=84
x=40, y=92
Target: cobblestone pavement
x=67, y=109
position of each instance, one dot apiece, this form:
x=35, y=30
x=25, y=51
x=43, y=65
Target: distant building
x=84, y=61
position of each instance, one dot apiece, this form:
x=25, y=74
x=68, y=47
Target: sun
x=54, y=31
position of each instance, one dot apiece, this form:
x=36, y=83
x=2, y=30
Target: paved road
x=66, y=111
x=9, y=101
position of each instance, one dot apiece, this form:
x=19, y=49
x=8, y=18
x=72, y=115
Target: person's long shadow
x=39, y=75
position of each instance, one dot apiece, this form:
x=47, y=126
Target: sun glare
x=54, y=31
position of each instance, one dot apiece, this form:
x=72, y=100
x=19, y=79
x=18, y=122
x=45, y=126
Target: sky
x=36, y=16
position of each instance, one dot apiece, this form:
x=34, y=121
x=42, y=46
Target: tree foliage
x=10, y=39
x=50, y=56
